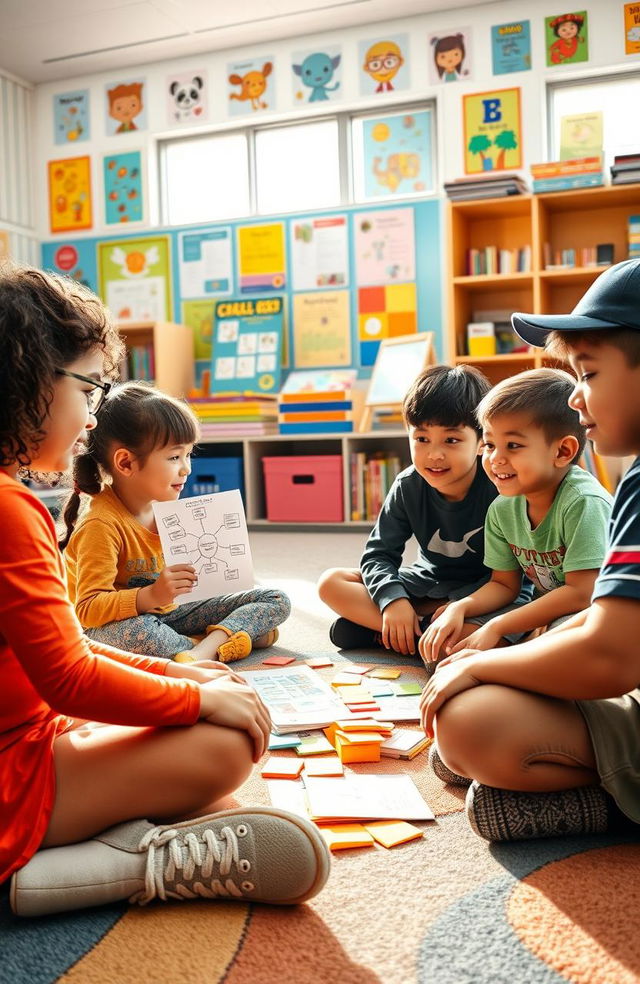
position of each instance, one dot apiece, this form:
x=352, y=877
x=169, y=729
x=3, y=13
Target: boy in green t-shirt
x=549, y=521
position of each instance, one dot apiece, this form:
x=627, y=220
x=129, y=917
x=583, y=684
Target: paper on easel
x=210, y=532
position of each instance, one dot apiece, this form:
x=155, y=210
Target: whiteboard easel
x=397, y=364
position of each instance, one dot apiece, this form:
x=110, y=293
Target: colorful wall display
x=187, y=98
x=385, y=312
x=511, y=47
x=261, y=258
x=567, y=38
x=384, y=64
x=206, y=262
x=319, y=252
x=632, y=28
x=321, y=329
x=492, y=131
x=73, y=259
x=71, y=117
x=251, y=86
x=126, y=106
x=70, y=207
x=123, y=196
x=199, y=316
x=247, y=345
x=385, y=246
x=450, y=55
x=397, y=154
x=317, y=74
x=135, y=278
x=581, y=135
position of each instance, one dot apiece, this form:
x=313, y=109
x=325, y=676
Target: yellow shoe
x=236, y=647
x=268, y=639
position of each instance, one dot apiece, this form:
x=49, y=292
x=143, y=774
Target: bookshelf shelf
x=499, y=280
x=171, y=346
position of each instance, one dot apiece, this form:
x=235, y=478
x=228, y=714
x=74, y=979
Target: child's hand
x=485, y=637
x=445, y=683
x=400, y=626
x=172, y=581
x=442, y=634
x=236, y=705
x=203, y=671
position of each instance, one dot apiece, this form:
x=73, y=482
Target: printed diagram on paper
x=210, y=533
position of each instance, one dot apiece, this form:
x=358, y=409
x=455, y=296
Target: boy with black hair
x=550, y=730
x=442, y=500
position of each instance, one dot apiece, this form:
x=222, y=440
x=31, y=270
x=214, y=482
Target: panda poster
x=187, y=98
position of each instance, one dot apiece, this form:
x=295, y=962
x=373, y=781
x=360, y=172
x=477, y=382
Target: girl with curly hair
x=95, y=812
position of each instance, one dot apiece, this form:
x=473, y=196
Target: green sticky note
x=407, y=689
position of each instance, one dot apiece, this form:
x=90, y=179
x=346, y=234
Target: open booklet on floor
x=297, y=697
x=351, y=797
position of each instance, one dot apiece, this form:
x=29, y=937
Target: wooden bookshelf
x=172, y=346
x=563, y=220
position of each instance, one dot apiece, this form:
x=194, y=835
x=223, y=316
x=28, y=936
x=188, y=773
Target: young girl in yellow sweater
x=123, y=593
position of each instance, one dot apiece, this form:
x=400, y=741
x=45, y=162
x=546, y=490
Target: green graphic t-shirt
x=571, y=537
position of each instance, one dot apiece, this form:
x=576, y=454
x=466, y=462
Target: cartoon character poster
x=123, y=187
x=126, y=106
x=70, y=194
x=135, y=278
x=511, y=47
x=492, y=131
x=567, y=38
x=251, y=86
x=71, y=116
x=384, y=64
x=187, y=95
x=396, y=155
x=450, y=55
x=632, y=28
x=317, y=74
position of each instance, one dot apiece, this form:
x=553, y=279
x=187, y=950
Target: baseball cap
x=612, y=301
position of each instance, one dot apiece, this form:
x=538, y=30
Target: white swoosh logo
x=451, y=548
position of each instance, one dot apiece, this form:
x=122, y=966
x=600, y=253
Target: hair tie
x=76, y=488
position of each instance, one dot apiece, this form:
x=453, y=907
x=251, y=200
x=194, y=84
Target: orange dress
x=50, y=673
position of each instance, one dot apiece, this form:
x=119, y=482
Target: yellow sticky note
x=346, y=835
x=385, y=673
x=282, y=768
x=345, y=680
x=366, y=724
x=328, y=766
x=392, y=832
x=400, y=297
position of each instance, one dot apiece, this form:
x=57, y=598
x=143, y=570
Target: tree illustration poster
x=492, y=131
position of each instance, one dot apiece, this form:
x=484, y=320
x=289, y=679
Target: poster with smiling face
x=567, y=38
x=449, y=55
x=126, y=106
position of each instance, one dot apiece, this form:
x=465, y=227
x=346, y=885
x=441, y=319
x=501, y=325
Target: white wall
x=606, y=50
x=17, y=213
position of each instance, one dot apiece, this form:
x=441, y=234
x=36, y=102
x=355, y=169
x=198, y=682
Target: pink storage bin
x=304, y=488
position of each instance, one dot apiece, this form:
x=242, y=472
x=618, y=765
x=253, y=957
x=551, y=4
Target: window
x=393, y=154
x=613, y=97
x=297, y=167
x=205, y=178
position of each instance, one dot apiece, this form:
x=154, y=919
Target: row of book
x=579, y=172
x=320, y=402
x=559, y=259
x=228, y=415
x=491, y=260
x=625, y=168
x=139, y=363
x=633, y=232
x=371, y=479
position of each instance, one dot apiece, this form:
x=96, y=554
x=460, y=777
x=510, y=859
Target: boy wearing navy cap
x=562, y=753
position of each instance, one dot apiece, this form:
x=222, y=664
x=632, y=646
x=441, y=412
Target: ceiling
x=48, y=40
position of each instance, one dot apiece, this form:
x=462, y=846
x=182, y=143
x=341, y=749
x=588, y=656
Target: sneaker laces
x=188, y=855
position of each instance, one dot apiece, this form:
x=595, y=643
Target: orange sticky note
x=328, y=766
x=346, y=835
x=385, y=673
x=278, y=660
x=392, y=832
x=282, y=768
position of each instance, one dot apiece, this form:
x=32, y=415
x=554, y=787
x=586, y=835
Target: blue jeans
x=257, y=612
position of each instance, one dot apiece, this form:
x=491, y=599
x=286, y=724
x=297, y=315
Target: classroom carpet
x=446, y=909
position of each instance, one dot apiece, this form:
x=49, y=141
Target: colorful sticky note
x=278, y=660
x=281, y=768
x=313, y=744
x=357, y=695
x=380, y=688
x=392, y=832
x=407, y=689
x=317, y=662
x=328, y=766
x=346, y=835
x=345, y=680
x=366, y=724
x=283, y=741
x=358, y=668
x=385, y=673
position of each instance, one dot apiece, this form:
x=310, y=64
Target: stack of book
x=580, y=172
x=496, y=185
x=506, y=340
x=371, y=479
x=383, y=418
x=491, y=260
x=320, y=402
x=240, y=414
x=634, y=237
x=625, y=168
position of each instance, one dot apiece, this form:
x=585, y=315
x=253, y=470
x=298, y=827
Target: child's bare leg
x=512, y=739
x=207, y=648
x=111, y=774
x=343, y=590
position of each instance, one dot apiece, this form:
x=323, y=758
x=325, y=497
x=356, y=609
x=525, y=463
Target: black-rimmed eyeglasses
x=96, y=396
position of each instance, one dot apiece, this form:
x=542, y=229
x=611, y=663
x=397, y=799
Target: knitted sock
x=443, y=772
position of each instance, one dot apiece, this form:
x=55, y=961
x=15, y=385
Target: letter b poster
x=492, y=131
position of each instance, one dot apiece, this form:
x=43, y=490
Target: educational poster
x=70, y=194
x=317, y=74
x=209, y=532
x=76, y=259
x=385, y=312
x=450, y=55
x=205, y=262
x=71, y=116
x=397, y=154
x=492, y=131
x=511, y=47
x=321, y=329
x=319, y=252
x=187, y=98
x=632, y=28
x=135, y=278
x=247, y=345
x=123, y=200
x=126, y=106
x=384, y=64
x=251, y=86
x=385, y=246
x=581, y=135
x=199, y=316
x=4, y=244
x=261, y=258
x=567, y=38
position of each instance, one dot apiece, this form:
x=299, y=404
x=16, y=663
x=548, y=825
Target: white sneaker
x=253, y=855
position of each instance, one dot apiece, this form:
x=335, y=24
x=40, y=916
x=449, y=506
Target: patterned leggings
x=257, y=612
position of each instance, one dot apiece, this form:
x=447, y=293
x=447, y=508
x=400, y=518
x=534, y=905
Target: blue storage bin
x=214, y=475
